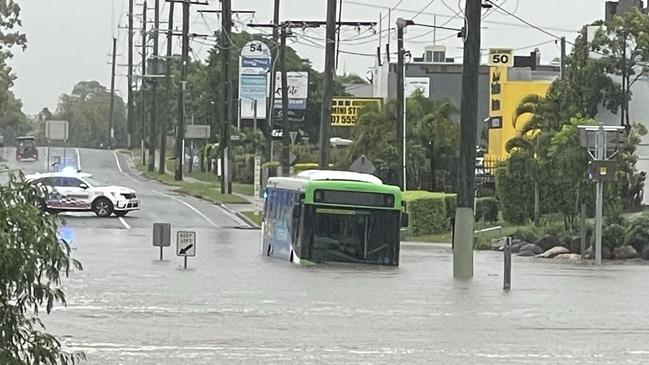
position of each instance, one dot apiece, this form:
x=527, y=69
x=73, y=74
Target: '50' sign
x=501, y=57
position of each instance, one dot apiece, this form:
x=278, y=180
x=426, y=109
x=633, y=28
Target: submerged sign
x=345, y=110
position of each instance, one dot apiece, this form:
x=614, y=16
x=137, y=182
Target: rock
x=547, y=242
x=568, y=256
x=574, y=244
x=645, y=253
x=554, y=251
x=498, y=244
x=516, y=248
x=534, y=249
x=526, y=254
x=625, y=253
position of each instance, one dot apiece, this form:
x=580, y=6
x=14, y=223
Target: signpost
x=297, y=84
x=257, y=184
x=601, y=140
x=56, y=130
x=414, y=84
x=185, y=245
x=254, y=64
x=161, y=236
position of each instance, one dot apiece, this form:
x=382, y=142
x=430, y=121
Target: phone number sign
x=345, y=110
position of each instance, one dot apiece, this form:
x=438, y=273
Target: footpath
x=238, y=209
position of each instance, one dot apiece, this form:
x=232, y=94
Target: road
x=234, y=306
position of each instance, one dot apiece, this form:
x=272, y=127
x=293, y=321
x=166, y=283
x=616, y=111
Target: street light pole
x=401, y=113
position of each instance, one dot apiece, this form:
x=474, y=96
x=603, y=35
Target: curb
x=246, y=220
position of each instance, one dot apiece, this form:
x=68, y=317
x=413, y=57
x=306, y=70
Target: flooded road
x=234, y=306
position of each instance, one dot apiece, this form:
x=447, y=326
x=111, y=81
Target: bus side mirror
x=405, y=220
x=297, y=211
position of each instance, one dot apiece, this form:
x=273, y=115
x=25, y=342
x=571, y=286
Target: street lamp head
x=402, y=23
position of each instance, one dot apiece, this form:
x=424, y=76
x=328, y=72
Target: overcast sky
x=70, y=40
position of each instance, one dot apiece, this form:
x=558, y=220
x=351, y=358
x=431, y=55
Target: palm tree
x=527, y=141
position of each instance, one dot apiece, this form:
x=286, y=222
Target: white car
x=78, y=191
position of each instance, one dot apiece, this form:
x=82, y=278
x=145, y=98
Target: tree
x=31, y=266
x=87, y=110
x=623, y=43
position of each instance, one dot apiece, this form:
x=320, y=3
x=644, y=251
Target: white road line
x=124, y=223
x=78, y=158
x=207, y=219
x=119, y=167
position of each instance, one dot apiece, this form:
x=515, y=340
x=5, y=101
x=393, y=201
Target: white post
x=600, y=145
x=405, y=113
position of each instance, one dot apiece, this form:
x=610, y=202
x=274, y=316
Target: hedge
x=429, y=212
x=486, y=210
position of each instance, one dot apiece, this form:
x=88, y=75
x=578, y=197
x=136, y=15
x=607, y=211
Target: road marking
x=78, y=159
x=117, y=161
x=124, y=223
x=207, y=219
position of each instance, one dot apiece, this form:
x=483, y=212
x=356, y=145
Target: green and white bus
x=332, y=216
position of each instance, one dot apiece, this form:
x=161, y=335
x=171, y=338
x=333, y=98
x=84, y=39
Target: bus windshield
x=355, y=235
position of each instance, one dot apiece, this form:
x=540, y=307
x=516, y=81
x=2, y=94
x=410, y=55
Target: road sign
x=501, y=57
x=254, y=65
x=186, y=243
x=197, y=131
x=414, y=84
x=161, y=234
x=57, y=130
x=344, y=111
x=293, y=135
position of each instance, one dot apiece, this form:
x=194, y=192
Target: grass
x=255, y=218
x=447, y=237
x=245, y=189
x=208, y=192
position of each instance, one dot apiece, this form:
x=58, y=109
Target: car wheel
x=102, y=207
x=121, y=213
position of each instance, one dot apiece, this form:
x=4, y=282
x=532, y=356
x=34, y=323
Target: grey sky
x=69, y=40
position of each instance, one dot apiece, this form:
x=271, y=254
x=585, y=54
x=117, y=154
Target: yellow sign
x=501, y=57
x=344, y=110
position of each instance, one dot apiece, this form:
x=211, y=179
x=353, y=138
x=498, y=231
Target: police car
x=78, y=191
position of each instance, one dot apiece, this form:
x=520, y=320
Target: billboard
x=345, y=110
x=414, y=84
x=254, y=64
x=297, y=89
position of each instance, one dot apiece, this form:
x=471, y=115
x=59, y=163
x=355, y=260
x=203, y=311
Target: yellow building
x=508, y=87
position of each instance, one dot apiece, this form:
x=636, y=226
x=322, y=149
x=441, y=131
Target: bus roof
x=300, y=181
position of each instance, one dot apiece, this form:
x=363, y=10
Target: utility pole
x=167, y=119
x=563, y=58
x=401, y=24
x=271, y=89
x=286, y=123
x=129, y=116
x=328, y=84
x=154, y=92
x=180, y=132
x=143, y=87
x=226, y=30
x=111, y=133
x=463, y=237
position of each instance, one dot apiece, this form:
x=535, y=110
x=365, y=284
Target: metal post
x=254, y=119
x=160, y=253
x=143, y=87
x=226, y=44
x=112, y=98
x=563, y=58
x=463, y=252
x=153, y=135
x=239, y=115
x=401, y=103
x=582, y=243
x=167, y=118
x=185, y=265
x=507, y=285
x=599, y=191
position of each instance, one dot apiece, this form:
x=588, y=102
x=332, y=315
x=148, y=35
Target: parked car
x=26, y=149
x=78, y=191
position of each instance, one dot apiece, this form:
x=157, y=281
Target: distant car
x=26, y=149
x=78, y=191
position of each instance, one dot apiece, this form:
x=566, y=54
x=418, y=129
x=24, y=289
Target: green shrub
x=481, y=242
x=486, y=210
x=613, y=236
x=451, y=206
x=428, y=212
x=514, y=189
x=527, y=234
x=637, y=234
